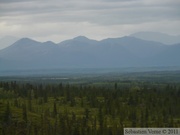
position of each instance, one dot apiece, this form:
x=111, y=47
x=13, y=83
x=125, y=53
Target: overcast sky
x=58, y=20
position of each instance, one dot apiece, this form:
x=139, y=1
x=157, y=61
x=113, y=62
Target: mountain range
x=81, y=52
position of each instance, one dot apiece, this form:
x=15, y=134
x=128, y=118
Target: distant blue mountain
x=82, y=52
x=158, y=37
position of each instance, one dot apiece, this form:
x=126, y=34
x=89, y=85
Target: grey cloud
x=13, y=1
x=102, y=13
x=97, y=12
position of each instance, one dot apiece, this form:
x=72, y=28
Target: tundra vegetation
x=91, y=108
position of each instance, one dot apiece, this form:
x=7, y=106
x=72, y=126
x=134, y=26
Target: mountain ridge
x=158, y=37
x=84, y=52
x=7, y=41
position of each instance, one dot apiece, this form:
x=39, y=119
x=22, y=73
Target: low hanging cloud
x=62, y=19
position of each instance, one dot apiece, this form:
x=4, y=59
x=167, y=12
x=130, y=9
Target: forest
x=97, y=107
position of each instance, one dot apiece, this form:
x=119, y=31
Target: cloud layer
x=62, y=19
